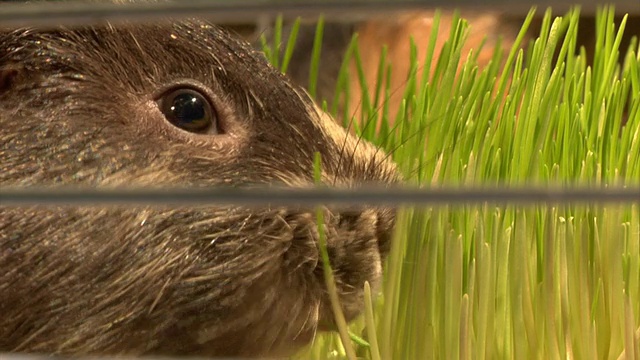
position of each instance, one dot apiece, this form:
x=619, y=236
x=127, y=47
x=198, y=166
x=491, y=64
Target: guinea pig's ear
x=9, y=75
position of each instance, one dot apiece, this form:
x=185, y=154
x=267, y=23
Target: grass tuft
x=484, y=281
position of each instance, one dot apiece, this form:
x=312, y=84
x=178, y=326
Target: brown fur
x=78, y=108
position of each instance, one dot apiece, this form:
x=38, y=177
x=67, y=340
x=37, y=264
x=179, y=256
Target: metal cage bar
x=299, y=197
x=225, y=12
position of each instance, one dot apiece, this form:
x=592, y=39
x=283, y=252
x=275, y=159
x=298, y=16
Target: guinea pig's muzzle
x=358, y=241
x=385, y=224
x=382, y=219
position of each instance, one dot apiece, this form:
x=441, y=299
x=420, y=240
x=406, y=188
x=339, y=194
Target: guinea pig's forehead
x=185, y=49
x=201, y=39
x=173, y=43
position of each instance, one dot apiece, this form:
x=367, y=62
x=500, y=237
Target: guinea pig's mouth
x=384, y=229
x=358, y=240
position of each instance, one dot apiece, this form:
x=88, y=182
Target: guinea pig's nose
x=384, y=219
x=384, y=229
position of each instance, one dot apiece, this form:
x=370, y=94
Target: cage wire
x=78, y=13
x=234, y=11
x=294, y=197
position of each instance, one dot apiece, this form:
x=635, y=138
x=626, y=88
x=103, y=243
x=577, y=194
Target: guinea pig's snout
x=386, y=221
x=358, y=242
x=379, y=221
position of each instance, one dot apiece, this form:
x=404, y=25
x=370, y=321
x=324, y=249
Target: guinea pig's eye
x=189, y=110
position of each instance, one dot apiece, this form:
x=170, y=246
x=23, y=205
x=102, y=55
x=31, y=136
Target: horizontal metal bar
x=288, y=196
x=43, y=14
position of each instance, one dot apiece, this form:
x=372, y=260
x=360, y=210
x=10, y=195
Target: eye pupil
x=189, y=110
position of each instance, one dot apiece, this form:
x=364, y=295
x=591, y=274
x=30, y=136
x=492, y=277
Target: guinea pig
x=175, y=104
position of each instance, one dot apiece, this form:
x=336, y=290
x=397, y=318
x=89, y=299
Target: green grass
x=507, y=281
